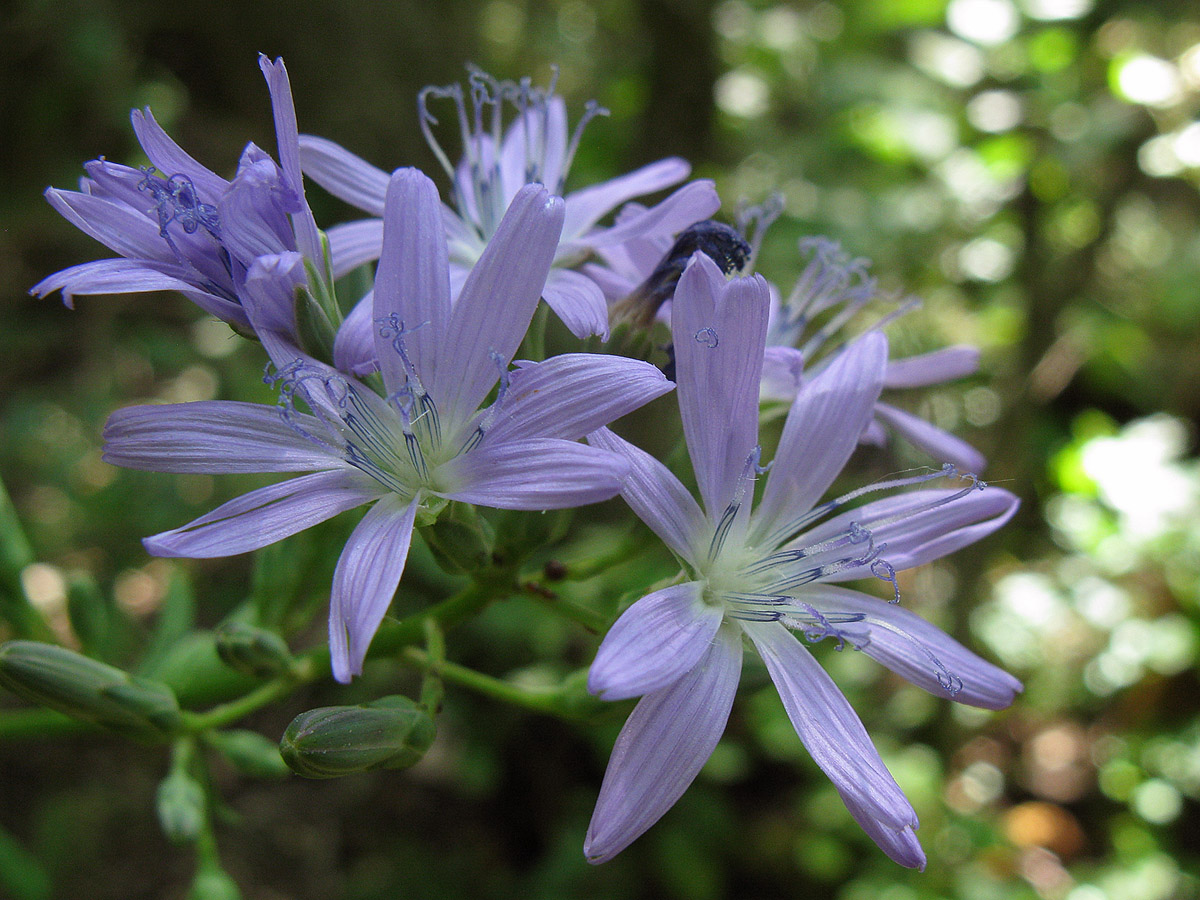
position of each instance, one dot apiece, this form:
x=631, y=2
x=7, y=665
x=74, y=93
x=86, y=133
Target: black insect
x=721, y=243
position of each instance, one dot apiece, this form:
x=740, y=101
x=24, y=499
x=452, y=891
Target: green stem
x=541, y=701
x=263, y=695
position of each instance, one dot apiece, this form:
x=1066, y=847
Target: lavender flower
x=425, y=441
x=767, y=573
x=536, y=147
x=830, y=291
x=178, y=226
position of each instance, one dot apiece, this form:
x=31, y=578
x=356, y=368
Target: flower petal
x=919, y=651
x=578, y=301
x=129, y=276
x=267, y=515
x=718, y=328
x=492, y=312
x=412, y=282
x=573, y=394
x=914, y=528
x=664, y=744
x=216, y=436
x=901, y=845
x=288, y=138
x=692, y=203
x=830, y=728
x=937, y=367
x=118, y=227
x=171, y=159
x=353, y=244
x=354, y=346
x=537, y=473
x=783, y=373
x=821, y=432
x=588, y=206
x=941, y=445
x=345, y=175
x=365, y=581
x=656, y=496
x=654, y=643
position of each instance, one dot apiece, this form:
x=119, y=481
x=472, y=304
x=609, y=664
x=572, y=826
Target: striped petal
x=664, y=744
x=573, y=394
x=348, y=177
x=537, y=473
x=267, y=515
x=657, y=497
x=212, y=437
x=830, y=728
x=917, y=650
x=365, y=581
x=654, y=643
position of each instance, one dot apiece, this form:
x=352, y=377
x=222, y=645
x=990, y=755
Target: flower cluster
x=411, y=399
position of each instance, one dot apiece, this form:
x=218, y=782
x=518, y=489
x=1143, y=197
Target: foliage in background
x=1027, y=167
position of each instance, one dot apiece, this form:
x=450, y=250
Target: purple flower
x=771, y=572
x=535, y=148
x=425, y=441
x=830, y=291
x=178, y=226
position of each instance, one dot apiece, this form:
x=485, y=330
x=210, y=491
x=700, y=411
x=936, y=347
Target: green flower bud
x=180, y=807
x=212, y=883
x=89, y=690
x=389, y=733
x=249, y=752
x=252, y=651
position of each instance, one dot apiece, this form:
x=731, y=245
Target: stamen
x=176, y=201
x=950, y=682
x=822, y=627
x=814, y=515
x=882, y=569
x=426, y=118
x=753, y=222
x=363, y=438
x=488, y=418
x=392, y=327
x=745, y=478
x=591, y=110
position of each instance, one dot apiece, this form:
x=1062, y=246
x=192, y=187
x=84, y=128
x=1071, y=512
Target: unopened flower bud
x=213, y=884
x=180, y=803
x=252, y=651
x=89, y=690
x=389, y=733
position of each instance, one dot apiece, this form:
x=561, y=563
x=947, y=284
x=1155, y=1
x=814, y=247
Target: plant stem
x=541, y=701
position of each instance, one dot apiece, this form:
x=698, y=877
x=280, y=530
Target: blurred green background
x=1028, y=167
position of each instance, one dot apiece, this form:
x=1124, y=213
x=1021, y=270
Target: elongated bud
x=180, y=802
x=252, y=651
x=249, y=752
x=89, y=690
x=213, y=884
x=389, y=733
